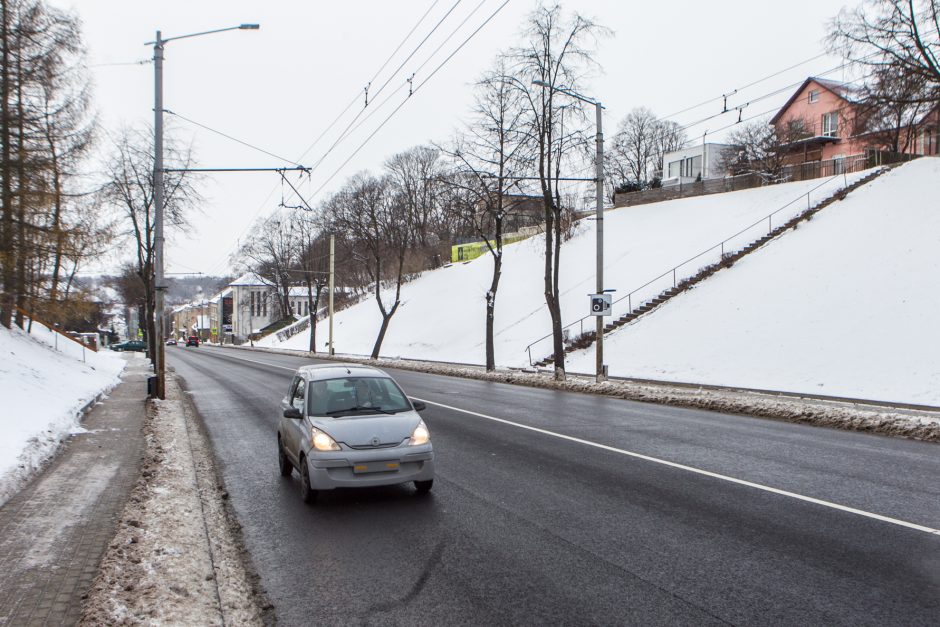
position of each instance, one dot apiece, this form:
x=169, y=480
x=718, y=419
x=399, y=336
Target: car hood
x=365, y=430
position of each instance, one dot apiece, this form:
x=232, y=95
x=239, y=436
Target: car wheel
x=423, y=487
x=283, y=462
x=307, y=494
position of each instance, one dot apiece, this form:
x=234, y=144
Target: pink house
x=821, y=121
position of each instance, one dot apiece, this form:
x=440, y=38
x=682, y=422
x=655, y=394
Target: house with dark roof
x=825, y=119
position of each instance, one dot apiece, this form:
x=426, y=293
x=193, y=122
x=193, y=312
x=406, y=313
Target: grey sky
x=279, y=87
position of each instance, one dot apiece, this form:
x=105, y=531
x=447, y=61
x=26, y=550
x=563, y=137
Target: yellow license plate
x=375, y=467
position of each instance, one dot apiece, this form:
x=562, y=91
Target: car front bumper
x=338, y=469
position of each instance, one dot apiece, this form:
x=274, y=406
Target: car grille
x=369, y=447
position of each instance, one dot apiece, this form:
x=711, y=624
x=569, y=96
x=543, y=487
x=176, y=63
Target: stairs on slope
x=727, y=260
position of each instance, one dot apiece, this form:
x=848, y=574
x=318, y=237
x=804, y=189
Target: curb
x=789, y=407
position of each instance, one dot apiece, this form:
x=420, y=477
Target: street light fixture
x=600, y=369
x=159, y=366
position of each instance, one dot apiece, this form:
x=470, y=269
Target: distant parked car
x=130, y=345
x=347, y=426
x=171, y=342
x=192, y=341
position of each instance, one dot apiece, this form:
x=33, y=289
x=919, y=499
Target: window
x=796, y=128
x=674, y=169
x=264, y=305
x=352, y=396
x=692, y=166
x=813, y=95
x=297, y=394
x=830, y=124
x=251, y=300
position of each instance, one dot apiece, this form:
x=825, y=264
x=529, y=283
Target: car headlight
x=420, y=435
x=322, y=441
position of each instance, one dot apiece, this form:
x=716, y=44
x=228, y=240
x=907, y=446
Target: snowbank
x=442, y=313
x=44, y=394
x=853, y=416
x=846, y=305
x=176, y=558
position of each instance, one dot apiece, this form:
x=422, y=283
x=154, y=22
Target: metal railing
x=56, y=333
x=672, y=277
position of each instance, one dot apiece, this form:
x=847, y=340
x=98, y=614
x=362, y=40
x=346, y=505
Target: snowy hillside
x=845, y=305
x=442, y=312
x=43, y=391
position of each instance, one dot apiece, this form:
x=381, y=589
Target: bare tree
x=901, y=34
x=415, y=176
x=130, y=190
x=487, y=158
x=312, y=263
x=634, y=145
x=889, y=109
x=756, y=147
x=271, y=252
x=669, y=136
x=557, y=53
x=376, y=223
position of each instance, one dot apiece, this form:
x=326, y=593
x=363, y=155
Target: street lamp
x=159, y=365
x=600, y=369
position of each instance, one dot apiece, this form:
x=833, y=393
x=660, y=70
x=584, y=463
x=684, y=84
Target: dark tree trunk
x=6, y=193
x=21, y=246
x=491, y=309
x=386, y=318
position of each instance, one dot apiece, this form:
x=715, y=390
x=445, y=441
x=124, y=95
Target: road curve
x=533, y=526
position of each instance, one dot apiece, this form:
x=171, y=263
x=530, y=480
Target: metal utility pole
x=599, y=369
x=332, y=287
x=159, y=366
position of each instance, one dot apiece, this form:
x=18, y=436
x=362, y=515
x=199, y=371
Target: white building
x=696, y=163
x=254, y=305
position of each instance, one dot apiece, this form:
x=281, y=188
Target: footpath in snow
x=845, y=305
x=442, y=312
x=45, y=392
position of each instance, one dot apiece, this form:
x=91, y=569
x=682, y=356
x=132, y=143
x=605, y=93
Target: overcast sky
x=280, y=87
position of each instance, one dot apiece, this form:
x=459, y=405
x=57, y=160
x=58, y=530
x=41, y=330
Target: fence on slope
x=581, y=334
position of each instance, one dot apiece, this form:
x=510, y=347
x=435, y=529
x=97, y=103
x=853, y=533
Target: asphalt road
x=526, y=527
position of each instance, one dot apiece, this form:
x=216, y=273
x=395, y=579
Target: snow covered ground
x=846, y=305
x=44, y=392
x=442, y=312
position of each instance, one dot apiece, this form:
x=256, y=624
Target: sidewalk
x=54, y=532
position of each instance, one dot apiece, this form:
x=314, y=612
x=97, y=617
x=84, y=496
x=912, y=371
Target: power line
x=775, y=92
x=234, y=139
x=743, y=87
x=345, y=132
x=352, y=101
x=415, y=90
x=375, y=108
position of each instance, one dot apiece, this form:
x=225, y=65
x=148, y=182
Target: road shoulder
x=177, y=557
x=845, y=414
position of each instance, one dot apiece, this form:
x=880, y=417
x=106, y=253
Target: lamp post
x=159, y=366
x=600, y=370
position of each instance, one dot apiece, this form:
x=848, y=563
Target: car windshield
x=356, y=396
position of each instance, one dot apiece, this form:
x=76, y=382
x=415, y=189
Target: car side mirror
x=292, y=412
x=418, y=405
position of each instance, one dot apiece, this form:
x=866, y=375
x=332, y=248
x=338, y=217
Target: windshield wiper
x=360, y=408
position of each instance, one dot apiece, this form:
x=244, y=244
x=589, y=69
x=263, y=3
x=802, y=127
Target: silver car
x=347, y=426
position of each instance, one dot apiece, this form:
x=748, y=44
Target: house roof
x=841, y=90
x=249, y=279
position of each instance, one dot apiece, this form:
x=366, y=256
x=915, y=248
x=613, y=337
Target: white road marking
x=707, y=473
x=264, y=363
x=664, y=462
